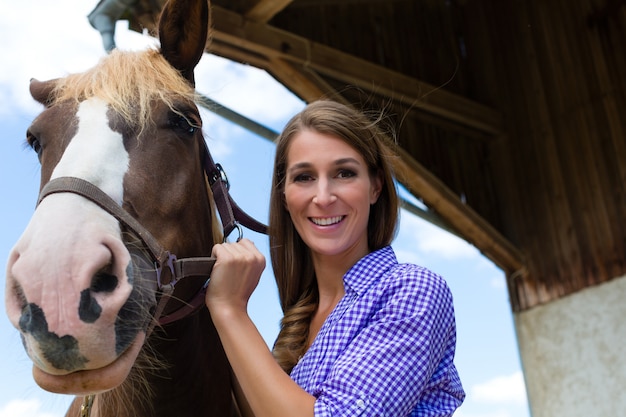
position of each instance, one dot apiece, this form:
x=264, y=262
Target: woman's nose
x=324, y=193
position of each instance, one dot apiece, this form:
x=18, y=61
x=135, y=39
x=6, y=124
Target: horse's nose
x=66, y=296
x=74, y=270
x=82, y=285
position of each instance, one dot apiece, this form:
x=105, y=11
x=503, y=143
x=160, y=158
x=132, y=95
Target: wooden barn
x=511, y=126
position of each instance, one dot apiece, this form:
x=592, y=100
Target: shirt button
x=360, y=404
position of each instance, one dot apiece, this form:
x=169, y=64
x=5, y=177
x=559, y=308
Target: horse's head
x=79, y=282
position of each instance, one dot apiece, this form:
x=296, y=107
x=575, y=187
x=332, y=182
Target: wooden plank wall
x=560, y=172
x=412, y=37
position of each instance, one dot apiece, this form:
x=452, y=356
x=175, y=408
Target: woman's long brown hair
x=290, y=256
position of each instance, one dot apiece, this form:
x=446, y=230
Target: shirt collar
x=367, y=270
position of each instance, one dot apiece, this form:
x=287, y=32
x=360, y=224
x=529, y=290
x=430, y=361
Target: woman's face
x=328, y=193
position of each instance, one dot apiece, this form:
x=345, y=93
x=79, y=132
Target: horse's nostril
x=103, y=282
x=89, y=310
x=33, y=320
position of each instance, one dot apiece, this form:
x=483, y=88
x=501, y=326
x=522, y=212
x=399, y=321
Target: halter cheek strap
x=231, y=214
x=169, y=269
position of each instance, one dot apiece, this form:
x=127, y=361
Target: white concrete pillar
x=573, y=353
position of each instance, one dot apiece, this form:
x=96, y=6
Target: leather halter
x=169, y=269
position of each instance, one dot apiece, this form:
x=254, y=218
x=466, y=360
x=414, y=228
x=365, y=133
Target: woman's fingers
x=236, y=273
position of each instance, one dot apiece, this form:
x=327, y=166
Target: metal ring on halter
x=222, y=176
x=239, y=229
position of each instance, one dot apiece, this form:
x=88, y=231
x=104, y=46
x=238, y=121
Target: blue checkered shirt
x=387, y=349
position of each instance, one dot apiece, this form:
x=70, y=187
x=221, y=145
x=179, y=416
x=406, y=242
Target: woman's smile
x=327, y=221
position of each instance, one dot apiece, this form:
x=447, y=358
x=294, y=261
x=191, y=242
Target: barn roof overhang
x=242, y=32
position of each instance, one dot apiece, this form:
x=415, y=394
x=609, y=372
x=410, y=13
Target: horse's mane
x=129, y=82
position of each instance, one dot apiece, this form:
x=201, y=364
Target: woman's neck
x=330, y=270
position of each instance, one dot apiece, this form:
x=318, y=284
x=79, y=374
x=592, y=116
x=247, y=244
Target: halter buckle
x=219, y=174
x=169, y=262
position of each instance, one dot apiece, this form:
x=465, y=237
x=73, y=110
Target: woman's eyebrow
x=348, y=160
x=298, y=166
x=338, y=162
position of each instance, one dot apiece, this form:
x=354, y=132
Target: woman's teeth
x=326, y=221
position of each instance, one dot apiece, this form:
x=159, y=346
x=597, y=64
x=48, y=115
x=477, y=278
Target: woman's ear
x=376, y=187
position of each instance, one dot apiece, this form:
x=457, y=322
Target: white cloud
x=47, y=39
x=502, y=396
x=499, y=282
x=25, y=408
x=508, y=389
x=432, y=240
x=407, y=255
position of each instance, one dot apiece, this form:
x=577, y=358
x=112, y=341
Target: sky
x=50, y=39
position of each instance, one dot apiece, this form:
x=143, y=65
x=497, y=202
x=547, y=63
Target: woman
x=361, y=333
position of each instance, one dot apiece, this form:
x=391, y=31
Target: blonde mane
x=129, y=82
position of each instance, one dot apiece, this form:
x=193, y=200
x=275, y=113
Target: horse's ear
x=183, y=31
x=42, y=90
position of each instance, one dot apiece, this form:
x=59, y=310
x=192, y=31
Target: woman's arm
x=240, y=398
x=267, y=388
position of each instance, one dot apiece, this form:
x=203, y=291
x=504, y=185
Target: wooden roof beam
x=265, y=10
x=236, y=31
x=305, y=84
x=469, y=224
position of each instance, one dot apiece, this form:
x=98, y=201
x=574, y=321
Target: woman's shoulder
x=409, y=270
x=382, y=272
x=410, y=293
x=415, y=280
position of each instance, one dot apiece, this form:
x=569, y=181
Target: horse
x=106, y=283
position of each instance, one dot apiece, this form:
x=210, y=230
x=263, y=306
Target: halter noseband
x=167, y=263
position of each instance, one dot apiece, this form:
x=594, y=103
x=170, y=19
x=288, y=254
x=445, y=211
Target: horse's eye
x=182, y=124
x=34, y=143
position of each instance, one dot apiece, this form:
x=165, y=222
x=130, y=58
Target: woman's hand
x=235, y=275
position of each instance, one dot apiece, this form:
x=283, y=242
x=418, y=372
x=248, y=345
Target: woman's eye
x=302, y=178
x=346, y=173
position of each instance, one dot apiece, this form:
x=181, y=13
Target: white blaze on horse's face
x=70, y=271
x=96, y=154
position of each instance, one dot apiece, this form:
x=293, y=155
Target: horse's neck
x=200, y=383
x=190, y=376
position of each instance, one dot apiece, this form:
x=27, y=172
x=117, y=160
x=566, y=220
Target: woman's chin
x=92, y=381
